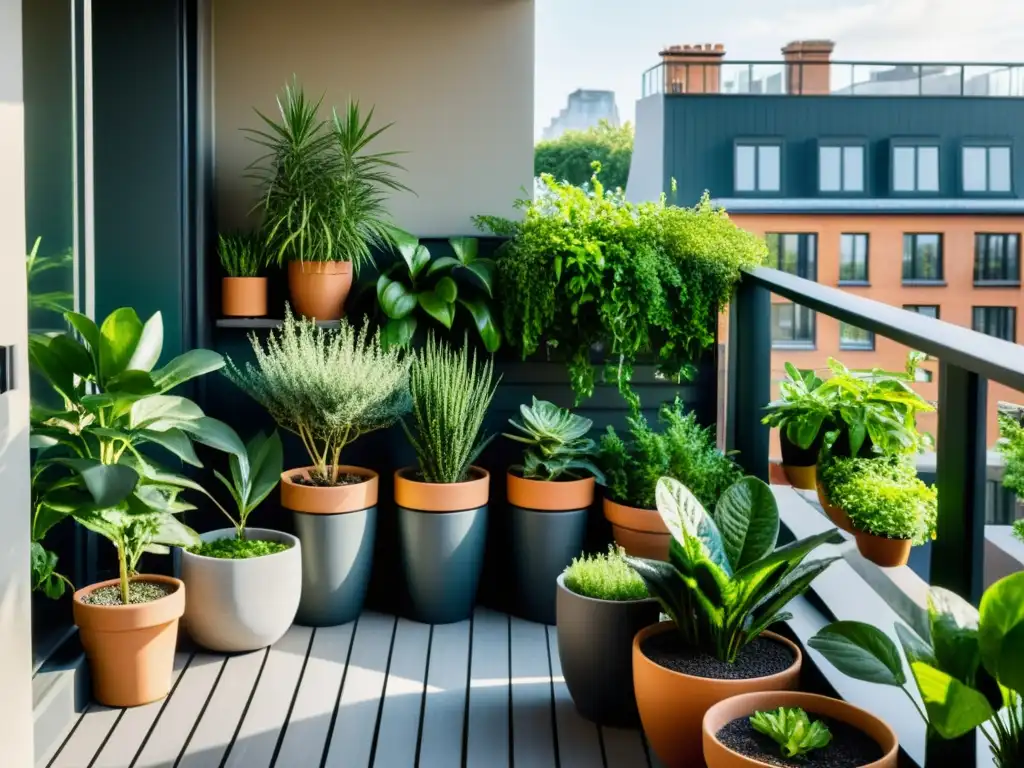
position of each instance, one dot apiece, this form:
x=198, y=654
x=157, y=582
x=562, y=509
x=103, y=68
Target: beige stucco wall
x=456, y=77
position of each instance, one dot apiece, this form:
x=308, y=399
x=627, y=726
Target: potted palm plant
x=549, y=497
x=442, y=502
x=884, y=503
x=244, y=583
x=802, y=415
x=243, y=289
x=724, y=584
x=92, y=467
x=601, y=604
x=322, y=197
x=328, y=387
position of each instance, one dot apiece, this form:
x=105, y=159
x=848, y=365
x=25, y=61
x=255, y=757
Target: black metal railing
x=834, y=78
x=967, y=359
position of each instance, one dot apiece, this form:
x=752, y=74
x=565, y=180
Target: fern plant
x=557, y=443
x=792, y=730
x=329, y=387
x=241, y=254
x=451, y=391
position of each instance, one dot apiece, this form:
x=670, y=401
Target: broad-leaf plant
x=802, y=408
x=557, y=443
x=725, y=582
x=94, y=460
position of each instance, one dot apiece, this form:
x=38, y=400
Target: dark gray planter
x=595, y=641
x=442, y=555
x=543, y=545
x=337, y=558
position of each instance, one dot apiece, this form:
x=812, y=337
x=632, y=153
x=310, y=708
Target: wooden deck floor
x=381, y=692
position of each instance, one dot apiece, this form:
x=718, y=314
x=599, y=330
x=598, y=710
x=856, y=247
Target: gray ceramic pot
x=242, y=605
x=595, y=646
x=543, y=545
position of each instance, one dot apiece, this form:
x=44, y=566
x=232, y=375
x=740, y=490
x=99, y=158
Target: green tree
x=569, y=157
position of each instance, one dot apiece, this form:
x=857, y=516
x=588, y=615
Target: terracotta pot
x=672, y=704
x=243, y=296
x=883, y=551
x=549, y=495
x=804, y=478
x=319, y=288
x=130, y=647
x=835, y=514
x=641, y=532
x=442, y=497
x=800, y=459
x=319, y=500
x=717, y=755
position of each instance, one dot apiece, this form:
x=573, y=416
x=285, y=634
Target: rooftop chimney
x=808, y=67
x=693, y=68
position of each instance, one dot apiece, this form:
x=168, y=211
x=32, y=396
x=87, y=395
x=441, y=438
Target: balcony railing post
x=750, y=364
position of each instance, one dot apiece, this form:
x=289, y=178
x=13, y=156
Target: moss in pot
x=724, y=584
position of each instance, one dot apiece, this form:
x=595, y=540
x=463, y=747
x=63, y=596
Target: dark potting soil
x=138, y=592
x=760, y=658
x=849, y=748
x=346, y=478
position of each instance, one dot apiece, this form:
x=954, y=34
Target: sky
x=607, y=44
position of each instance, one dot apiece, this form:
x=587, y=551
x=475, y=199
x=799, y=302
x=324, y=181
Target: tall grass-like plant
x=329, y=387
x=451, y=391
x=322, y=193
x=241, y=254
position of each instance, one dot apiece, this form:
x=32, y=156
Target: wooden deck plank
x=306, y=735
x=403, y=696
x=352, y=740
x=578, y=740
x=533, y=742
x=444, y=710
x=257, y=738
x=134, y=726
x=487, y=741
x=624, y=748
x=93, y=726
x=214, y=732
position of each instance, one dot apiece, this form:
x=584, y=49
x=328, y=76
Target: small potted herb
x=682, y=450
x=549, y=497
x=802, y=415
x=725, y=583
x=244, y=583
x=802, y=730
x=888, y=507
x=966, y=662
x=328, y=387
x=442, y=502
x=601, y=604
x=243, y=290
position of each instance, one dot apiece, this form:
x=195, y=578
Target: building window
x=996, y=258
x=852, y=337
x=922, y=258
x=1000, y=322
x=853, y=258
x=928, y=310
x=792, y=325
x=758, y=168
x=986, y=169
x=794, y=253
x=841, y=168
x=915, y=168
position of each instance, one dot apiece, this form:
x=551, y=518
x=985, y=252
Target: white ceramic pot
x=242, y=605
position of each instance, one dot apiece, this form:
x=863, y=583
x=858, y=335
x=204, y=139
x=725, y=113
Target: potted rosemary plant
x=322, y=198
x=243, y=289
x=549, y=497
x=328, y=387
x=442, y=502
x=716, y=643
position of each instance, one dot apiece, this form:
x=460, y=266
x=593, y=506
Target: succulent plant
x=557, y=443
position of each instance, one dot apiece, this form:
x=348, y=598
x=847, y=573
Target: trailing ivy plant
x=557, y=443
x=586, y=268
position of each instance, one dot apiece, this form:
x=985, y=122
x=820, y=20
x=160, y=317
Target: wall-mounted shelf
x=253, y=323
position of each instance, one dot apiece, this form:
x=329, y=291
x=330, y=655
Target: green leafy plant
x=557, y=443
x=792, y=730
x=422, y=284
x=585, y=268
x=801, y=411
x=883, y=496
x=242, y=254
x=683, y=450
x=450, y=395
x=725, y=582
x=252, y=480
x=571, y=156
x=1011, y=446
x=329, y=387
x=323, y=194
x=605, y=577
x=35, y=265
x=1018, y=529
x=967, y=663
x=115, y=402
